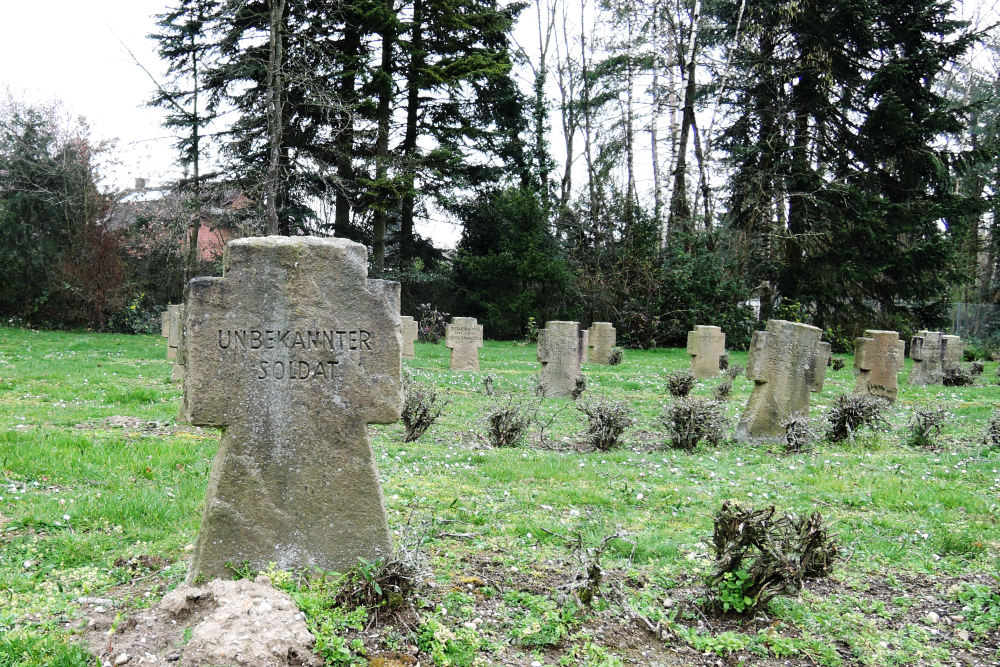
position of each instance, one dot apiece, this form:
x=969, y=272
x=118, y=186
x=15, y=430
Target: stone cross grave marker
x=878, y=357
x=409, y=330
x=933, y=353
x=560, y=349
x=787, y=361
x=294, y=352
x=952, y=354
x=464, y=336
x=706, y=345
x=173, y=329
x=602, y=337
x=925, y=350
x=177, y=333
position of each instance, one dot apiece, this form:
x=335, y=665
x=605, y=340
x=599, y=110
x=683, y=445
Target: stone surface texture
x=602, y=337
x=560, y=349
x=585, y=345
x=878, y=358
x=787, y=361
x=173, y=330
x=177, y=372
x=165, y=323
x=706, y=345
x=408, y=327
x=952, y=353
x=464, y=337
x=294, y=352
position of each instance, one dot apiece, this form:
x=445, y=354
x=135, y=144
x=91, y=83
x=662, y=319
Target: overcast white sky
x=69, y=50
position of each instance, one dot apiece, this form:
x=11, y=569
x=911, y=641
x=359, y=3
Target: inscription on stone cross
x=878, y=357
x=787, y=361
x=464, y=336
x=408, y=327
x=602, y=337
x=294, y=352
x=706, y=345
x=560, y=349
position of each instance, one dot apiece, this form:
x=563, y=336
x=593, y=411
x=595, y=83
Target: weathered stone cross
x=294, y=352
x=786, y=362
x=464, y=336
x=878, y=357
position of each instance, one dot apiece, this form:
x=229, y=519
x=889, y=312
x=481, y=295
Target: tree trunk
x=680, y=207
x=275, y=114
x=194, y=230
x=345, y=140
x=588, y=138
x=417, y=59
x=383, y=115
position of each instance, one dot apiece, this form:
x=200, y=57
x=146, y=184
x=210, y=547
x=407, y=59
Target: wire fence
x=976, y=320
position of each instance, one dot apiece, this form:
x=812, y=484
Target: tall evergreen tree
x=840, y=185
x=184, y=44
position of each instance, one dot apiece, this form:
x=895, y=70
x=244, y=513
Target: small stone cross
x=464, y=337
x=878, y=357
x=787, y=361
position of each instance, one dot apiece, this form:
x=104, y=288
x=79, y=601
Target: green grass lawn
x=95, y=506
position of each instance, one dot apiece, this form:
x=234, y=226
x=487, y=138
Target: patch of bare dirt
x=224, y=623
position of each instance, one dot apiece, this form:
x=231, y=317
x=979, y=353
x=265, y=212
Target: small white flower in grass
x=65, y=517
x=639, y=496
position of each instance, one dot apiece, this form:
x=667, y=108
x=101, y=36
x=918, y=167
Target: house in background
x=162, y=209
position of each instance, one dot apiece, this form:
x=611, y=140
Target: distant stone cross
x=787, y=361
x=464, y=336
x=706, y=345
x=953, y=349
x=172, y=329
x=175, y=341
x=601, y=338
x=878, y=357
x=409, y=331
x=294, y=352
x=933, y=353
x=560, y=349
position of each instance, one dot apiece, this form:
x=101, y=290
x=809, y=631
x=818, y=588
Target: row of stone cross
x=295, y=351
x=788, y=360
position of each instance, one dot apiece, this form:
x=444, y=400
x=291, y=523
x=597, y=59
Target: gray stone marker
x=706, y=345
x=173, y=329
x=933, y=353
x=294, y=352
x=165, y=323
x=952, y=353
x=602, y=337
x=926, y=352
x=560, y=349
x=464, y=336
x=177, y=372
x=878, y=357
x=585, y=345
x=408, y=327
x=787, y=361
